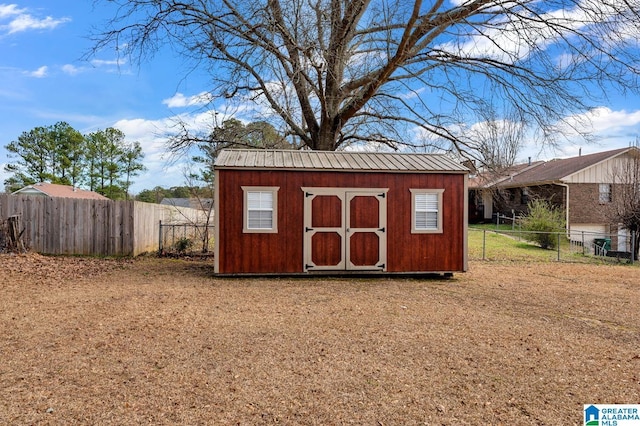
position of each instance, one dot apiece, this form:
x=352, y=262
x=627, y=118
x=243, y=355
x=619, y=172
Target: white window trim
x=438, y=229
x=245, y=209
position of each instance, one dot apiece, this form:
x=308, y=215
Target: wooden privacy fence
x=91, y=227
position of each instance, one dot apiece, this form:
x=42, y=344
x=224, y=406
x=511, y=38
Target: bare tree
x=624, y=208
x=498, y=142
x=339, y=72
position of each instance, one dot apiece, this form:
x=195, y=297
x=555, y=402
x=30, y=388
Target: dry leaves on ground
x=163, y=341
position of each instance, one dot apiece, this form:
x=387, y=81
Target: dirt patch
x=162, y=341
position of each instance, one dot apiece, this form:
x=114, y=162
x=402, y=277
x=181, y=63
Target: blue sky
x=43, y=80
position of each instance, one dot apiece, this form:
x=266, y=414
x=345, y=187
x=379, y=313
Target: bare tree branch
x=325, y=67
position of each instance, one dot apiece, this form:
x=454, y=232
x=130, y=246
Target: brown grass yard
x=159, y=341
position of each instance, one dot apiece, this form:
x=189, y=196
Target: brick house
x=582, y=186
x=484, y=199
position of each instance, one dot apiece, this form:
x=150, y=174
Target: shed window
x=260, y=213
x=605, y=193
x=426, y=210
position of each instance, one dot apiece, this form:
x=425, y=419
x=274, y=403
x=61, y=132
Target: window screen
x=426, y=213
x=260, y=211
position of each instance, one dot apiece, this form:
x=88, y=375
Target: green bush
x=541, y=221
x=183, y=245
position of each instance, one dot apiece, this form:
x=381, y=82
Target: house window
x=426, y=211
x=604, y=193
x=525, y=196
x=260, y=212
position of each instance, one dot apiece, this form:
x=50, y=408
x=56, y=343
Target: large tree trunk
x=327, y=139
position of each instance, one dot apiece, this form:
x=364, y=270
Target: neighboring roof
x=338, y=160
x=542, y=172
x=489, y=178
x=59, y=191
x=558, y=169
x=193, y=203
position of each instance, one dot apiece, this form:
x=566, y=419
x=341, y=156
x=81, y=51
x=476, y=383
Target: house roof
x=558, y=169
x=491, y=178
x=59, y=191
x=338, y=161
x=542, y=172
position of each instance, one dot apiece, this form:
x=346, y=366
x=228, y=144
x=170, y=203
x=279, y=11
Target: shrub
x=541, y=221
x=183, y=245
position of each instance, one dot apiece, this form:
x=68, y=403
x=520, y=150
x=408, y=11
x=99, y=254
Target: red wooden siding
x=327, y=249
x=282, y=252
x=326, y=212
x=364, y=249
x=363, y=212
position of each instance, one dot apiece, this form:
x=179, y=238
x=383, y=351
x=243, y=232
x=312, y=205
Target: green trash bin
x=602, y=245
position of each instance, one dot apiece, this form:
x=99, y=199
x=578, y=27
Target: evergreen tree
x=131, y=165
x=112, y=162
x=68, y=148
x=45, y=154
x=101, y=161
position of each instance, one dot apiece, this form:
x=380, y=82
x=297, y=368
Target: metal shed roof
x=337, y=161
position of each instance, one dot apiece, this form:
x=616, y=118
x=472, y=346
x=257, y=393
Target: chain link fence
x=503, y=243
x=186, y=239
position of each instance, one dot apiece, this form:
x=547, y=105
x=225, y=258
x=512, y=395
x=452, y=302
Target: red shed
x=316, y=212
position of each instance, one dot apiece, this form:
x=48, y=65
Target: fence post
x=484, y=243
x=160, y=239
x=633, y=246
x=558, y=235
x=583, y=243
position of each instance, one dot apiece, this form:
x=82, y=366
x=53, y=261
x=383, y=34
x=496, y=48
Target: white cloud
x=71, y=69
x=604, y=120
x=28, y=22
x=20, y=20
x=163, y=169
x=39, y=73
x=180, y=101
x=111, y=65
x=608, y=129
x=413, y=93
x=513, y=39
x=108, y=62
x=7, y=10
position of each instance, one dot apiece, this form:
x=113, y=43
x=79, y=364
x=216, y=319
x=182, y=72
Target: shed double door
x=345, y=229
